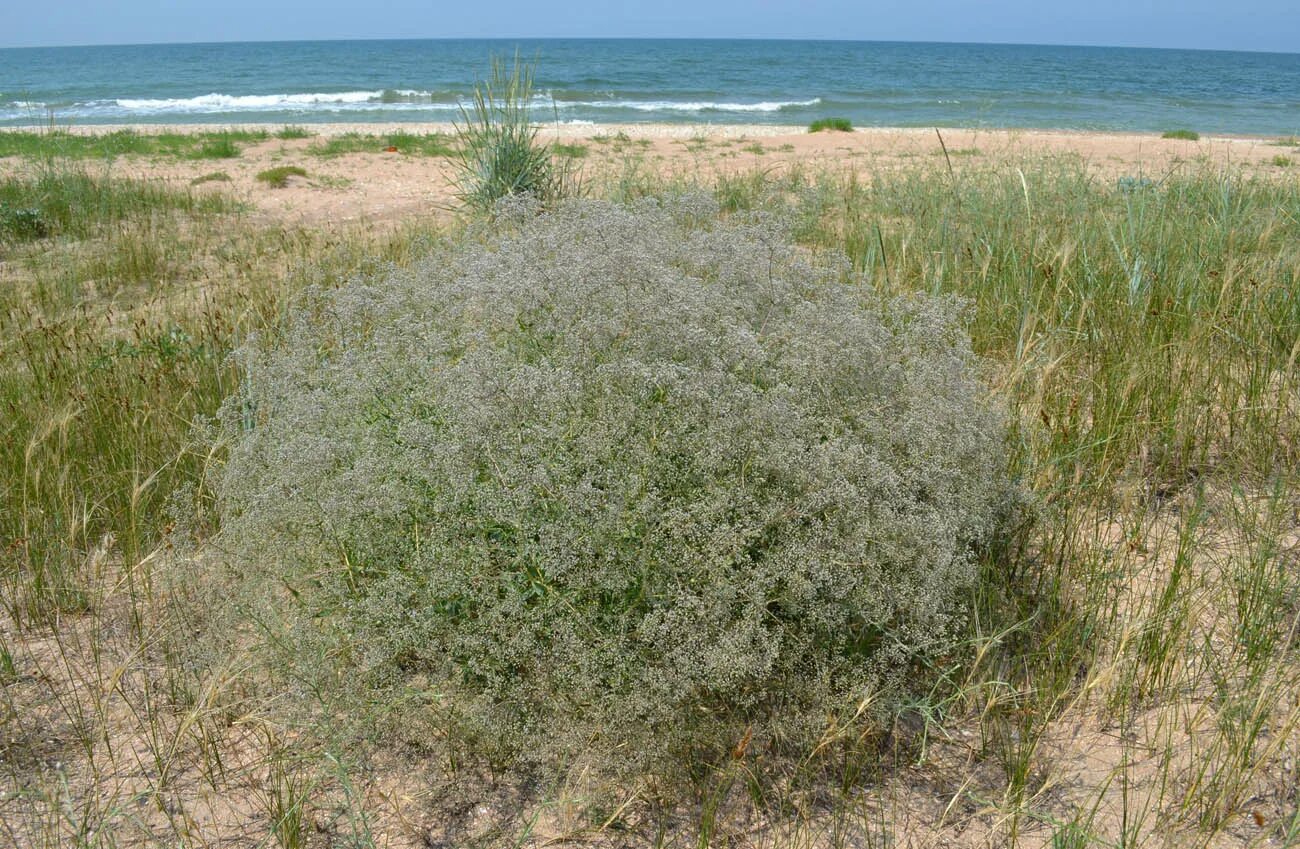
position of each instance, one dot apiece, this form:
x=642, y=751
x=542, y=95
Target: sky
x=1208, y=24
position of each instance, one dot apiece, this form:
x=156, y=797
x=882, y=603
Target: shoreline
x=646, y=129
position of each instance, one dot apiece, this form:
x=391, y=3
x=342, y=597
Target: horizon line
x=648, y=38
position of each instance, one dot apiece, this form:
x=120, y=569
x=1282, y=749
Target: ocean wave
x=405, y=100
x=690, y=106
x=277, y=102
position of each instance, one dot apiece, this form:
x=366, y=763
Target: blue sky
x=1215, y=24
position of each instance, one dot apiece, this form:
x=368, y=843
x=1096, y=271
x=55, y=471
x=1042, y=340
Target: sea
x=604, y=81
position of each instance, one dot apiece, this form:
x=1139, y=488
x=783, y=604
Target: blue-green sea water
x=680, y=81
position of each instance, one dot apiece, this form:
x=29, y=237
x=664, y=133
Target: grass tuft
x=211, y=177
x=839, y=125
x=1185, y=135
x=499, y=153
x=292, y=131
x=278, y=177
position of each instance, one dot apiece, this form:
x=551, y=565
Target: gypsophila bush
x=618, y=479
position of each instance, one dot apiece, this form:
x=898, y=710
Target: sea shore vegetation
x=955, y=503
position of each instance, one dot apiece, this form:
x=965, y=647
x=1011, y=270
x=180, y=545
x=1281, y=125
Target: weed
x=278, y=177
x=291, y=131
x=839, y=125
x=1184, y=135
x=570, y=151
x=221, y=147
x=211, y=177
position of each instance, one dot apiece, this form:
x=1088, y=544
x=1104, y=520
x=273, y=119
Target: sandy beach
x=380, y=186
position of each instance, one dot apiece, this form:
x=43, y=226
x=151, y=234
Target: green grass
x=77, y=203
x=839, y=125
x=430, y=144
x=498, y=152
x=1184, y=135
x=1282, y=161
x=570, y=151
x=1291, y=141
x=60, y=144
x=292, y=131
x=278, y=177
x=211, y=177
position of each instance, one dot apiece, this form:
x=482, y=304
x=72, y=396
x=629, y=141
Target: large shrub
x=618, y=479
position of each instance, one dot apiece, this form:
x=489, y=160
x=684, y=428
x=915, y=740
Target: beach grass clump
x=278, y=177
x=211, y=177
x=839, y=125
x=1182, y=134
x=290, y=132
x=623, y=475
x=499, y=154
x=217, y=147
x=1280, y=161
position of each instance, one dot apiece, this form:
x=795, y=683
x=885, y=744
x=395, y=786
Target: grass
x=1184, y=135
x=278, y=177
x=61, y=144
x=1143, y=342
x=211, y=177
x=499, y=154
x=430, y=144
x=839, y=125
x=570, y=151
x=1281, y=161
x=291, y=131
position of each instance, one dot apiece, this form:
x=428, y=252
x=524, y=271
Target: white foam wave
x=697, y=106
x=404, y=100
x=275, y=102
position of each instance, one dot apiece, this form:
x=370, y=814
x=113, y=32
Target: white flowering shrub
x=619, y=479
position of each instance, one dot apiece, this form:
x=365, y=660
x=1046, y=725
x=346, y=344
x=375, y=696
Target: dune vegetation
x=953, y=504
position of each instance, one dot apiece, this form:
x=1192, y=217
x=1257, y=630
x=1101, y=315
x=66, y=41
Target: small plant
x=570, y=151
x=755, y=148
x=294, y=132
x=1184, y=135
x=1282, y=161
x=1289, y=141
x=278, y=177
x=211, y=177
x=499, y=153
x=217, y=147
x=839, y=125
x=1128, y=185
x=23, y=224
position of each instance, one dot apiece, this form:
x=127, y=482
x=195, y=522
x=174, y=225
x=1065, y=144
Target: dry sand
x=379, y=186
